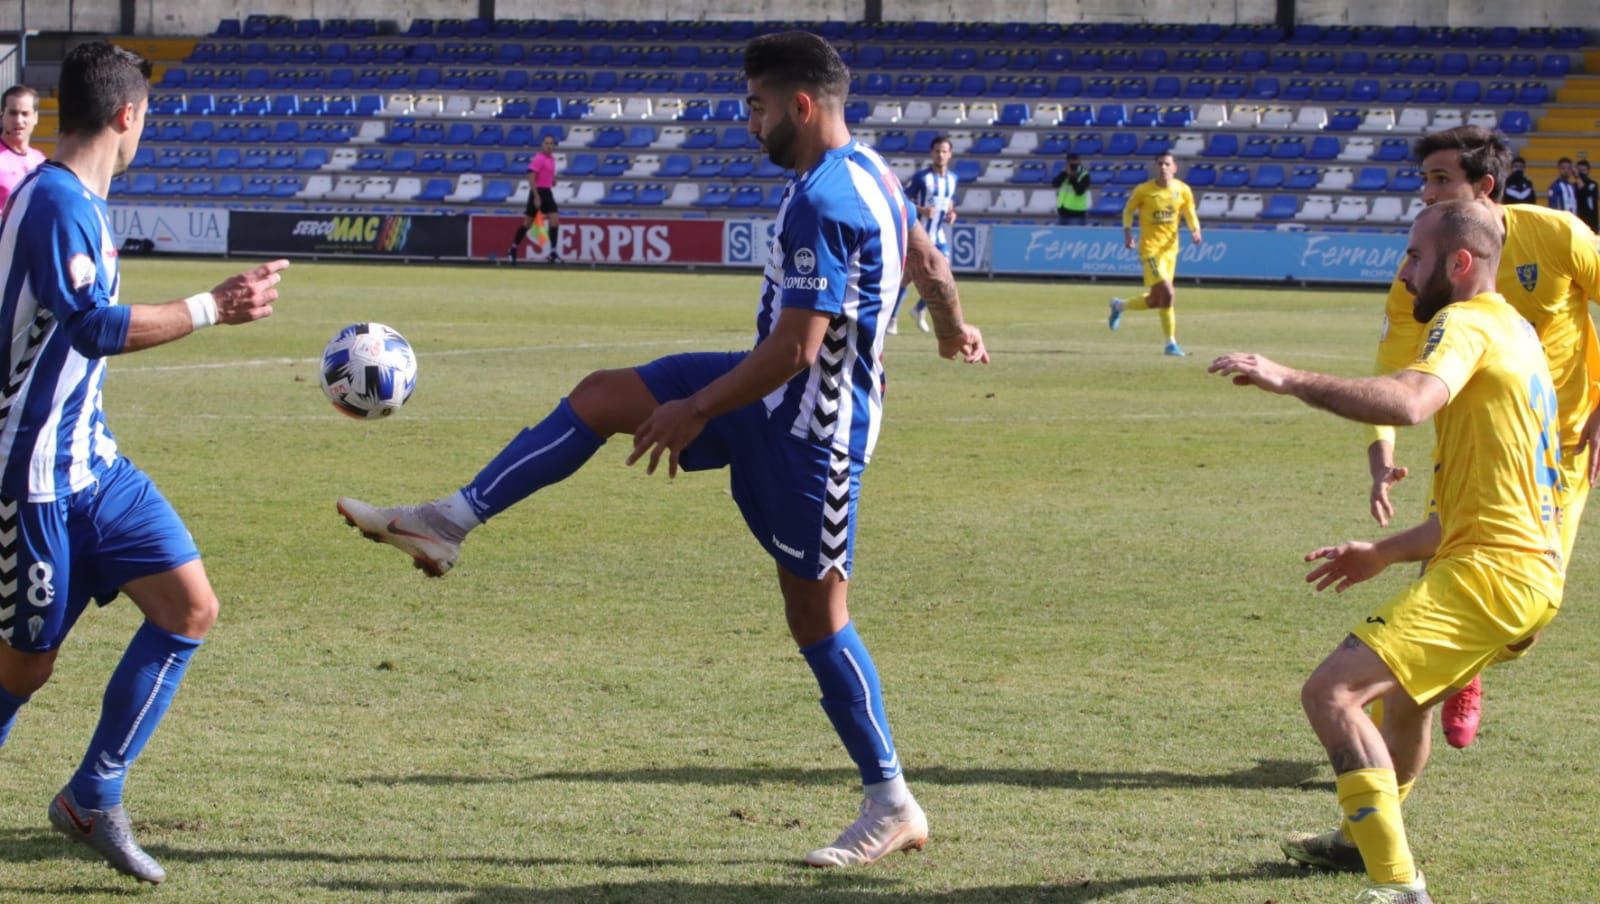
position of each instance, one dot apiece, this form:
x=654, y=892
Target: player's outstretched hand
x=1590, y=439
x=249, y=295
x=1248, y=369
x=1382, y=508
x=967, y=345
x=670, y=428
x=1347, y=564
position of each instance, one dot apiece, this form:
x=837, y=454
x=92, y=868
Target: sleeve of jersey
x=64, y=270
x=1190, y=215
x=815, y=256
x=1585, y=254
x=1134, y=199
x=1452, y=350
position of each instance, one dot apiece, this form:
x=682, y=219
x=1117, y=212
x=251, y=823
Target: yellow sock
x=1370, y=800
x=1403, y=791
x=1169, y=322
x=1142, y=303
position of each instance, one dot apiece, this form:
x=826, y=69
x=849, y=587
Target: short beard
x=780, y=143
x=1433, y=296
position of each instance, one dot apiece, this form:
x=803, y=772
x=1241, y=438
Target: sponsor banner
x=178, y=230
x=603, y=240
x=745, y=243
x=387, y=235
x=1356, y=257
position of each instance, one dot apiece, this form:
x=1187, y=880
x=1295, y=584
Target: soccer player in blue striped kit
x=794, y=419
x=77, y=520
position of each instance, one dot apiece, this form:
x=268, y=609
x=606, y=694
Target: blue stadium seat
x=748, y=197
x=1130, y=174
x=1087, y=144
x=433, y=162
x=1515, y=122
x=402, y=160
x=1500, y=94
x=1405, y=180
x=489, y=135
x=891, y=142
x=1371, y=178
x=1533, y=94
x=582, y=164
x=1263, y=87
x=1281, y=207
x=1466, y=91
x=612, y=166
x=1051, y=144
x=1431, y=92
x=1031, y=172
x=1267, y=176
x=1256, y=146
x=607, y=137
x=1221, y=144
x=1122, y=144
x=458, y=133
x=1111, y=116
x=1201, y=175
x=652, y=194
x=1143, y=116
x=1303, y=178
x=621, y=194
x=1392, y=150
x=1108, y=203
x=370, y=160
x=1233, y=175
x=716, y=194
x=435, y=190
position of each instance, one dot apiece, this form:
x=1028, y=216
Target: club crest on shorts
x=1528, y=275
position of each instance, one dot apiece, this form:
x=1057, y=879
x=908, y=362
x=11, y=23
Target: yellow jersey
x=1496, y=462
x=1549, y=269
x=1159, y=210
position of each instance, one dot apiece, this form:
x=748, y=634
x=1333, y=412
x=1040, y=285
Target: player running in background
x=541, y=202
x=933, y=191
x=1160, y=203
x=83, y=522
x=1549, y=270
x=19, y=113
x=794, y=419
x=1494, y=570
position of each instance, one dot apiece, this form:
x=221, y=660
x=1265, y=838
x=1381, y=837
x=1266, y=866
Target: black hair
x=18, y=90
x=795, y=60
x=1484, y=152
x=97, y=80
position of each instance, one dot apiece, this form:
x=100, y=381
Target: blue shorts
x=83, y=547
x=798, y=498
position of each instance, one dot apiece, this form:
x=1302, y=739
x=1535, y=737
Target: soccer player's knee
x=21, y=673
x=202, y=615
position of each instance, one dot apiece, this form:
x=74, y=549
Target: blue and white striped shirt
x=839, y=248
x=938, y=191
x=59, y=309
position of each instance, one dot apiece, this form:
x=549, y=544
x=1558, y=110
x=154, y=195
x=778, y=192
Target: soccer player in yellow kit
x=1549, y=269
x=1160, y=202
x=1494, y=572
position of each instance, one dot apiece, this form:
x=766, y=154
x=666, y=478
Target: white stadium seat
x=1315, y=209
x=405, y=188
x=1189, y=144
x=1243, y=116
x=316, y=188
x=604, y=108
x=1446, y=118
x=1357, y=148
x=1412, y=119
x=1336, y=178
x=999, y=171
x=370, y=131
x=1351, y=209
x=345, y=189
x=639, y=108
x=643, y=166
x=519, y=196
x=1211, y=116
x=457, y=105
x=341, y=159
x=1310, y=119
x=884, y=112
x=1276, y=118
x=666, y=109
x=1023, y=141
x=684, y=194
x=398, y=105
x=950, y=113
x=1386, y=209
x=1010, y=200
x=919, y=112
x=375, y=188
x=589, y=193
x=1045, y=115
x=485, y=108
x=982, y=112
x=902, y=167
x=975, y=200
x=468, y=188
x=1246, y=206
x=1412, y=210
x=1378, y=119
x=1041, y=202
x=1483, y=119
x=428, y=105
x=565, y=192
x=670, y=137
x=960, y=141
x=1213, y=204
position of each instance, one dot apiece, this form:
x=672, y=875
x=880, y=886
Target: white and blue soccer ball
x=368, y=370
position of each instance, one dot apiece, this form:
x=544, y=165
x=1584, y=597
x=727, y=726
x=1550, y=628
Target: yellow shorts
x=1159, y=267
x=1574, y=493
x=1442, y=630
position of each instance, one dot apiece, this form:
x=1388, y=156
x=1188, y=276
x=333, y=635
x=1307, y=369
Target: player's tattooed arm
x=929, y=270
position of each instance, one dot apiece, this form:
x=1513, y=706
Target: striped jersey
x=839, y=248
x=60, y=264
x=938, y=191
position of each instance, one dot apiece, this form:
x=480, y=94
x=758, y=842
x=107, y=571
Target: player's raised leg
x=603, y=404
x=890, y=819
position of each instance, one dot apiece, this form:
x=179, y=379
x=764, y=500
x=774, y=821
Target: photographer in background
x=1072, y=193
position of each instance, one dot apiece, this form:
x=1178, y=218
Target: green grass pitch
x=1078, y=569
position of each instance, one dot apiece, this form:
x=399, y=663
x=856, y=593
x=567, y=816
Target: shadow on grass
x=846, y=887
x=1297, y=774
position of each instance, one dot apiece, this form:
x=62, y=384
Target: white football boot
x=879, y=831
x=422, y=533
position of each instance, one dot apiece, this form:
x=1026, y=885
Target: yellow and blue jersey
x=1496, y=457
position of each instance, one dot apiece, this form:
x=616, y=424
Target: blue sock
x=854, y=702
x=920, y=307
x=137, y=696
x=9, y=705
x=545, y=453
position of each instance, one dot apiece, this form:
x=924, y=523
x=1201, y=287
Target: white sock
x=455, y=510
x=892, y=793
